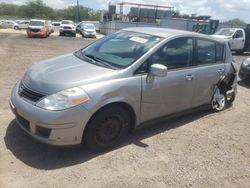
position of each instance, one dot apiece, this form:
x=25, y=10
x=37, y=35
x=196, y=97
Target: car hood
x=59, y=73
x=67, y=25
x=35, y=27
x=89, y=30
x=221, y=36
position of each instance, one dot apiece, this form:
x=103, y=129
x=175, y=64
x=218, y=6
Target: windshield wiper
x=99, y=61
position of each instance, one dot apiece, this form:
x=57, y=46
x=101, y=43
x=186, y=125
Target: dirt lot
x=202, y=149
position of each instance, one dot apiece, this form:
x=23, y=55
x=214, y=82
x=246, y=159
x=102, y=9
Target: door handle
x=221, y=71
x=189, y=77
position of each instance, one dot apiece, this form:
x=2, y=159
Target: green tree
x=236, y=21
x=38, y=9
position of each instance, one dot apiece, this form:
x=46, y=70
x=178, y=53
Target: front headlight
x=64, y=99
x=247, y=62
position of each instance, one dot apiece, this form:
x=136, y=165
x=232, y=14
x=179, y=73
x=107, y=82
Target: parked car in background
x=51, y=27
x=244, y=72
x=88, y=30
x=5, y=24
x=100, y=93
x=96, y=23
x=38, y=28
x=67, y=27
x=23, y=24
x=238, y=38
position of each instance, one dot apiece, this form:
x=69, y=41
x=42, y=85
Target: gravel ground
x=202, y=149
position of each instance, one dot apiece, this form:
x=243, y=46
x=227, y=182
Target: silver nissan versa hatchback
x=98, y=94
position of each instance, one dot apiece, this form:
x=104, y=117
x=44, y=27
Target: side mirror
x=158, y=70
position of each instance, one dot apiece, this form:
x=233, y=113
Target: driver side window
x=176, y=54
x=238, y=34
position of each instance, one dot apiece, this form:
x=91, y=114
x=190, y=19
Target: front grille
x=26, y=93
x=35, y=30
x=66, y=27
x=24, y=123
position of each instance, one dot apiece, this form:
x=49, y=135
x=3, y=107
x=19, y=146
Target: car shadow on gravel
x=42, y=156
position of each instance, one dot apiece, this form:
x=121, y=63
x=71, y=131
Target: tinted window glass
x=219, y=52
x=239, y=34
x=206, y=52
x=177, y=53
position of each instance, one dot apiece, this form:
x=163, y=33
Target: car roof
x=66, y=21
x=166, y=33
x=39, y=20
x=88, y=24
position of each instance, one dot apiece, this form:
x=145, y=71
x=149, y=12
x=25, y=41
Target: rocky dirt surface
x=202, y=149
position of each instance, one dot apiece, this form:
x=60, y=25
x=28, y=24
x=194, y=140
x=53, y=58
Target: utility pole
x=78, y=11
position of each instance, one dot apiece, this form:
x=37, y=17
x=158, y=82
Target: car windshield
x=36, y=23
x=89, y=26
x=119, y=49
x=67, y=22
x=225, y=32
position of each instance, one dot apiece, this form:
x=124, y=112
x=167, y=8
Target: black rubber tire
x=231, y=100
x=16, y=27
x=60, y=34
x=74, y=35
x=107, y=128
x=225, y=103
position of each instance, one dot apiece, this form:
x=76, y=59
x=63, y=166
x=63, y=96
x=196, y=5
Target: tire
x=16, y=27
x=219, y=101
x=230, y=99
x=60, y=34
x=74, y=35
x=107, y=129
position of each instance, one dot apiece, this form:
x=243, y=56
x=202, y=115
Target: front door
x=174, y=92
x=238, y=41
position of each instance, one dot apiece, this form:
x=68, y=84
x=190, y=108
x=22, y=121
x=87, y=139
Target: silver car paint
x=148, y=97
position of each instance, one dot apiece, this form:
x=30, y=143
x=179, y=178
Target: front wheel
x=107, y=128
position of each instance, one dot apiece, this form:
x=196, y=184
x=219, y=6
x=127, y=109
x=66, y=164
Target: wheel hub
x=219, y=100
x=109, y=130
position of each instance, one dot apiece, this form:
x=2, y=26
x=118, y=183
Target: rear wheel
x=107, y=128
x=219, y=101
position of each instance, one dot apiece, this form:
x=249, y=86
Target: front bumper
x=89, y=35
x=67, y=31
x=59, y=128
x=244, y=72
x=36, y=34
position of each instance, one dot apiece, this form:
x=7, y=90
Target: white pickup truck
x=238, y=38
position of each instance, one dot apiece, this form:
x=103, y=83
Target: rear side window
x=219, y=52
x=205, y=52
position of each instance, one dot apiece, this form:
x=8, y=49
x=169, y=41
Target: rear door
x=166, y=95
x=210, y=69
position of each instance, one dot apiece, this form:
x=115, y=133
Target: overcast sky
x=218, y=9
